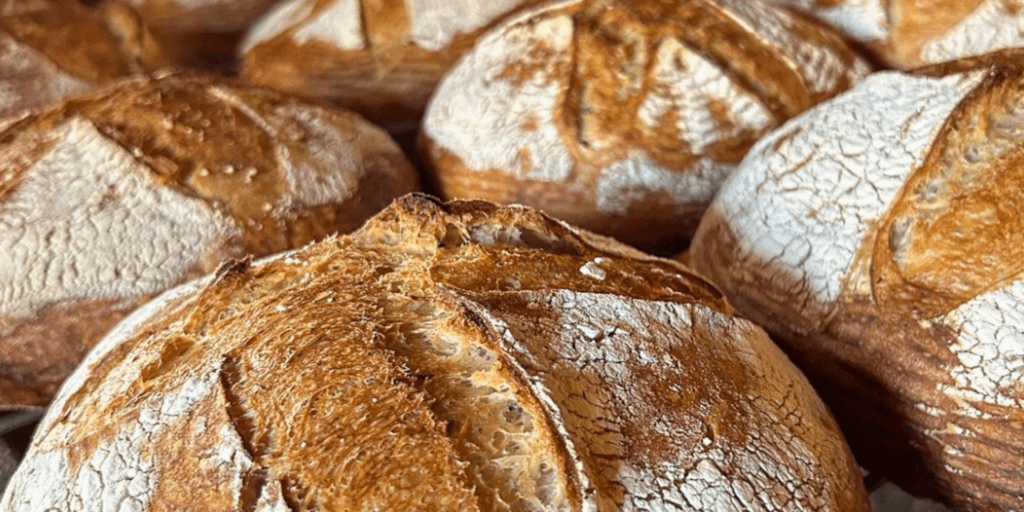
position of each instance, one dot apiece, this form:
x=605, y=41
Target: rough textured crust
x=381, y=58
x=878, y=236
x=909, y=33
x=455, y=357
x=624, y=117
x=111, y=198
x=56, y=49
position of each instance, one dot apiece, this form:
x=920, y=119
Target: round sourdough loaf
x=910, y=33
x=624, y=116
x=110, y=198
x=382, y=59
x=879, y=236
x=52, y=50
x=456, y=357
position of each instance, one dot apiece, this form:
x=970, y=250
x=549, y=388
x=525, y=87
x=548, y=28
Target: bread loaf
x=381, y=59
x=111, y=198
x=879, y=237
x=49, y=51
x=624, y=116
x=459, y=357
x=908, y=33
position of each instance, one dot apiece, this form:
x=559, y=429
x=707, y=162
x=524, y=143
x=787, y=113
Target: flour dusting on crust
x=478, y=113
x=436, y=23
x=64, y=227
x=992, y=26
x=990, y=347
x=800, y=200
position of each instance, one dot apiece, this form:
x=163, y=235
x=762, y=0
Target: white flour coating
x=28, y=79
x=630, y=181
x=271, y=499
x=339, y=23
x=801, y=210
x=88, y=222
x=327, y=171
x=990, y=346
x=479, y=115
x=861, y=20
x=608, y=352
x=282, y=17
x=435, y=23
x=990, y=27
x=120, y=476
x=124, y=330
x=820, y=67
x=686, y=84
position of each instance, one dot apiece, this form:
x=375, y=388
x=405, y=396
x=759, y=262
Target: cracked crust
x=114, y=197
x=59, y=49
x=443, y=357
x=625, y=117
x=906, y=34
x=381, y=58
x=887, y=258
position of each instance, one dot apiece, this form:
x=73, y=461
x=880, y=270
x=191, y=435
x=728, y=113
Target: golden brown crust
x=388, y=80
x=443, y=357
x=254, y=171
x=625, y=117
x=914, y=340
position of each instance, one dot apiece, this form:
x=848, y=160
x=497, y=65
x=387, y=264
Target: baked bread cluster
x=879, y=238
x=443, y=357
x=113, y=197
x=473, y=356
x=624, y=116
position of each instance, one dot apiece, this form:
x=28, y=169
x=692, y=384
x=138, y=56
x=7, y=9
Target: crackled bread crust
x=624, y=117
x=910, y=33
x=443, y=357
x=879, y=237
x=381, y=58
x=56, y=49
x=111, y=198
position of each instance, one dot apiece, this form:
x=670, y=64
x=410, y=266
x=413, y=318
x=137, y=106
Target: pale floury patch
x=62, y=229
x=820, y=67
x=861, y=20
x=339, y=23
x=119, y=476
x=283, y=16
x=478, y=114
x=990, y=347
x=812, y=222
x=435, y=23
x=627, y=182
x=685, y=83
x=610, y=338
x=992, y=26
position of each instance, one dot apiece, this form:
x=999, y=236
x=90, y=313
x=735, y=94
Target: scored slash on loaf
x=878, y=236
x=109, y=199
x=623, y=117
x=443, y=357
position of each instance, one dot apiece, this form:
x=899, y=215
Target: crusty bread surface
x=879, y=238
x=624, y=117
x=111, y=198
x=443, y=357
